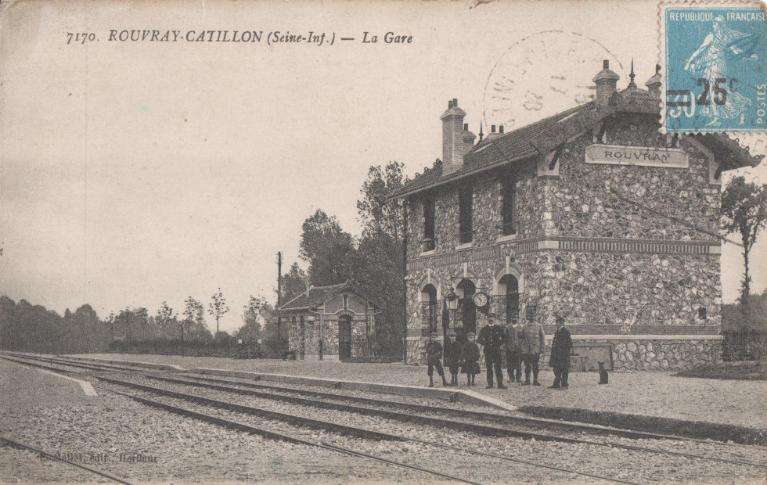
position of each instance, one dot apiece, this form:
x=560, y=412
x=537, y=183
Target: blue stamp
x=716, y=61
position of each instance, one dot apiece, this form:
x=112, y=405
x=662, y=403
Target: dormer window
x=428, y=225
x=465, y=208
x=508, y=203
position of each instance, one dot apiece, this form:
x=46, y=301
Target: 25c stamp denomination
x=716, y=57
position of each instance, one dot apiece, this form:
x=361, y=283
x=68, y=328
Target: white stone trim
x=467, y=245
x=512, y=269
x=715, y=249
x=506, y=238
x=548, y=244
x=646, y=337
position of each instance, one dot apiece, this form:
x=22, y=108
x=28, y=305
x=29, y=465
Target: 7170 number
x=80, y=38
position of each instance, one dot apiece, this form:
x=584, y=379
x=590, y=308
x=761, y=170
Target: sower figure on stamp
x=561, y=347
x=434, y=359
x=492, y=338
x=532, y=342
x=513, y=354
x=452, y=357
x=470, y=359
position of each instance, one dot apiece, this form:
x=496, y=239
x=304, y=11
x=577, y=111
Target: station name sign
x=641, y=156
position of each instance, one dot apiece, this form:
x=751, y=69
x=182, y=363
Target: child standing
x=470, y=359
x=452, y=357
x=433, y=359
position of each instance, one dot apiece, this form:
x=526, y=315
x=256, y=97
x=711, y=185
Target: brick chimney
x=453, y=145
x=606, y=81
x=653, y=84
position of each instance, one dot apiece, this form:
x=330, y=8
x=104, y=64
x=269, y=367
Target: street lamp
x=452, y=305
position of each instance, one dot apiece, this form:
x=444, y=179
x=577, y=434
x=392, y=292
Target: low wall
x=667, y=354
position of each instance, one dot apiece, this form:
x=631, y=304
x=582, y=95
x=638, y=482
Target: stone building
x=329, y=323
x=592, y=214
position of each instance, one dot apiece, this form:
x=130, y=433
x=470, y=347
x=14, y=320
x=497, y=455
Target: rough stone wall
x=359, y=339
x=629, y=289
x=312, y=339
x=487, y=223
x=583, y=205
x=665, y=354
x=330, y=338
x=620, y=290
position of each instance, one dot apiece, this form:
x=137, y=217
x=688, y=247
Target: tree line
x=373, y=261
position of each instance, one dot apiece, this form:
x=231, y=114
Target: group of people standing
x=518, y=343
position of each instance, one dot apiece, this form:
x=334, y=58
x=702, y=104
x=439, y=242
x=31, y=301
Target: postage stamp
x=716, y=58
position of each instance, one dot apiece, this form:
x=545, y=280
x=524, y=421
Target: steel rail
x=452, y=424
x=20, y=445
x=598, y=429
x=284, y=436
x=274, y=415
x=226, y=423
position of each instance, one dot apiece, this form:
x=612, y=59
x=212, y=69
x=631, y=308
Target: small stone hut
x=333, y=322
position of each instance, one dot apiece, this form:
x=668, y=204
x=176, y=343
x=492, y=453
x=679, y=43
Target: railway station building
x=591, y=214
x=333, y=322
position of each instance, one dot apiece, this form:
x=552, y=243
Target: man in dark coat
x=452, y=356
x=434, y=359
x=492, y=338
x=561, y=347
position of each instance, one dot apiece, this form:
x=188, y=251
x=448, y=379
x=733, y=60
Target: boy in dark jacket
x=434, y=359
x=452, y=357
x=470, y=359
x=561, y=348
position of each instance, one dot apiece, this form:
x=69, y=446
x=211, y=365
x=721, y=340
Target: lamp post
x=452, y=305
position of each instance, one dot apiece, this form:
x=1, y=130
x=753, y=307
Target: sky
x=133, y=173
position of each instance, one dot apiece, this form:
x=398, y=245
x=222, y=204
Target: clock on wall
x=480, y=299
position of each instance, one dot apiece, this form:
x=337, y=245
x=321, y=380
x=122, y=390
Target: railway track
x=44, y=454
x=371, y=407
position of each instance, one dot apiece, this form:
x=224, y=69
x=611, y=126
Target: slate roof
x=317, y=295
x=542, y=136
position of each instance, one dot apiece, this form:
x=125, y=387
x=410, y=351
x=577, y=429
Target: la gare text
x=242, y=36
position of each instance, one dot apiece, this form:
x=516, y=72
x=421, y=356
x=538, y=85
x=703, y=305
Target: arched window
x=466, y=309
x=429, y=308
x=510, y=294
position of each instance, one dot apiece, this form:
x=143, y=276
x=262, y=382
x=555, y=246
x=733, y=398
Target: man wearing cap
x=561, y=346
x=433, y=359
x=492, y=338
x=452, y=356
x=532, y=342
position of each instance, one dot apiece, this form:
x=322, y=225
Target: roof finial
x=481, y=135
x=632, y=84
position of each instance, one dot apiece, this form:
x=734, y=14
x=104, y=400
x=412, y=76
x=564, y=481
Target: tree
x=166, y=319
x=251, y=316
x=376, y=212
x=744, y=207
x=294, y=282
x=379, y=265
x=327, y=248
x=194, y=320
x=217, y=307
